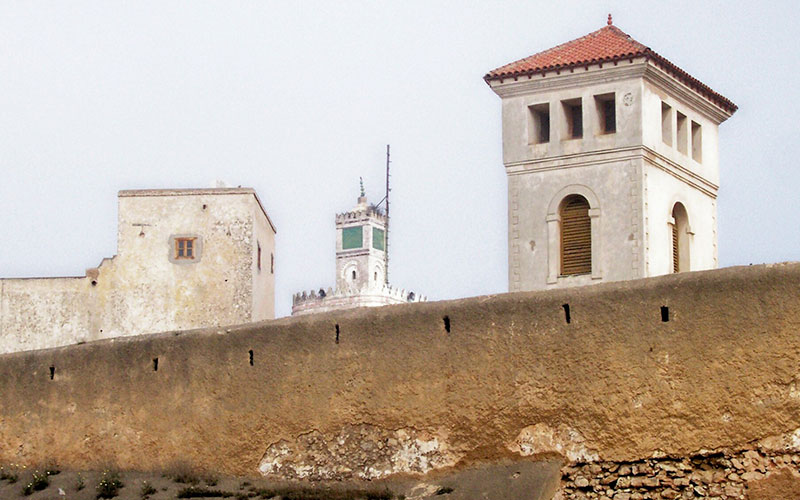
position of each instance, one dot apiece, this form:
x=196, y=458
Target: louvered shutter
x=675, y=249
x=576, y=237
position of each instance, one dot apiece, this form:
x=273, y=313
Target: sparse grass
x=316, y=494
x=109, y=484
x=51, y=468
x=444, y=490
x=200, y=492
x=183, y=473
x=38, y=482
x=10, y=472
x=147, y=490
x=79, y=482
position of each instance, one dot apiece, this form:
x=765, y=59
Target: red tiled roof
x=607, y=44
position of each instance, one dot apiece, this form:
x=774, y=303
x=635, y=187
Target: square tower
x=611, y=157
x=188, y=258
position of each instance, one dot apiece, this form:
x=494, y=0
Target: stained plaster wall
x=398, y=393
x=143, y=289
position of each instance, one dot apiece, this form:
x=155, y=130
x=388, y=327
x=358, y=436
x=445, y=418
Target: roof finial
x=610, y=22
x=361, y=183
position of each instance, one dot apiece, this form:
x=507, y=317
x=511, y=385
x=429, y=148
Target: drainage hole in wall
x=446, y=321
x=250, y=352
x=566, y=313
x=664, y=314
x=155, y=364
x=94, y=283
x=52, y=372
x=337, y=333
x=205, y=206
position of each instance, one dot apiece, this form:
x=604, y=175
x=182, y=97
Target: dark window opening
x=155, y=364
x=539, y=130
x=664, y=314
x=52, y=372
x=683, y=134
x=271, y=263
x=259, y=255
x=566, y=313
x=354, y=275
x=606, y=113
x=666, y=123
x=250, y=353
x=573, y=111
x=697, y=142
x=446, y=321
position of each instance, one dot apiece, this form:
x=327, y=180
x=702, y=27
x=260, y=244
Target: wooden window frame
x=185, y=248
x=176, y=250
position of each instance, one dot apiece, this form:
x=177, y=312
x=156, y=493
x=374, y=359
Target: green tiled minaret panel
x=377, y=239
x=352, y=237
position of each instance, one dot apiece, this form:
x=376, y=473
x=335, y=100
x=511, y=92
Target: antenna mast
x=386, y=233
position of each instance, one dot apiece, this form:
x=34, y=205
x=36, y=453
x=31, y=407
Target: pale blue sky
x=299, y=99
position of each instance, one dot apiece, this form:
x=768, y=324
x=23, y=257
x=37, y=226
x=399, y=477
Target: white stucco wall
x=663, y=190
x=611, y=188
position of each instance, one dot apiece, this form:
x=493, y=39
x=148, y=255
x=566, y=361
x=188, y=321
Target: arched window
x=576, y=236
x=354, y=275
x=680, y=238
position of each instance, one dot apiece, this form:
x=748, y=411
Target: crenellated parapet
x=400, y=294
x=328, y=299
x=357, y=215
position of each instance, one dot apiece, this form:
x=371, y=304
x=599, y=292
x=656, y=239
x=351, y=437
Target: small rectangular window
x=259, y=255
x=184, y=248
x=539, y=123
x=606, y=113
x=683, y=134
x=271, y=263
x=697, y=142
x=573, y=114
x=666, y=123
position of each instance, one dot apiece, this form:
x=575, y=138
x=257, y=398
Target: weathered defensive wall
x=369, y=393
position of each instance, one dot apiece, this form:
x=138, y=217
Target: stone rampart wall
x=647, y=372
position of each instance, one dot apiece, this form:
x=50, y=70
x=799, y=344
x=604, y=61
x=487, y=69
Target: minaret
x=612, y=163
x=360, y=247
x=360, y=266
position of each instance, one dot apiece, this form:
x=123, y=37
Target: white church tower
x=361, y=246
x=611, y=156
